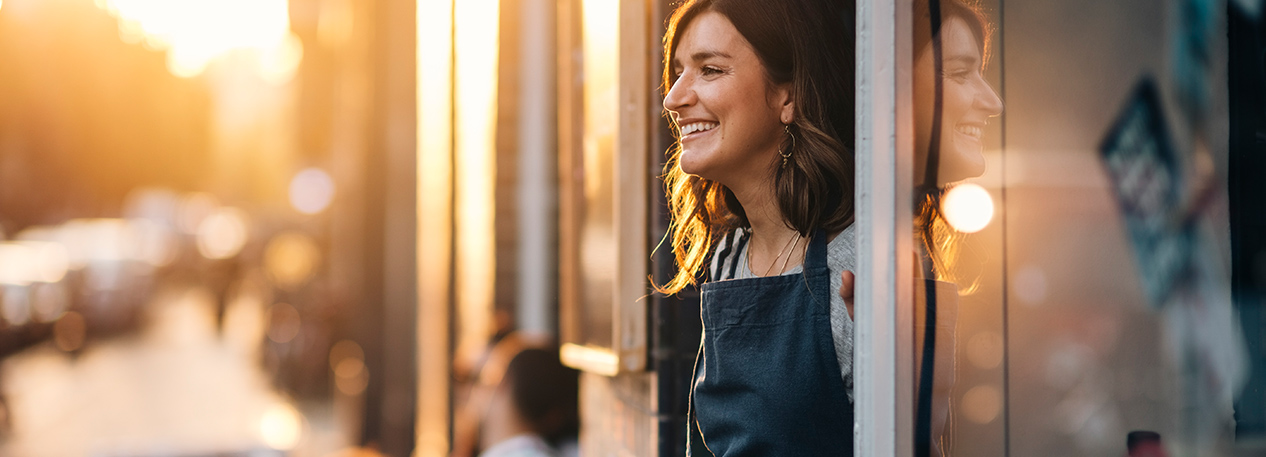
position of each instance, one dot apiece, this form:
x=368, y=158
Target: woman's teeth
x=969, y=130
x=697, y=127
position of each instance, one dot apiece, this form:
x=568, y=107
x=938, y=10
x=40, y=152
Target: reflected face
x=967, y=103
x=727, y=114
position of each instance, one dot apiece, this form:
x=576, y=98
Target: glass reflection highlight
x=968, y=208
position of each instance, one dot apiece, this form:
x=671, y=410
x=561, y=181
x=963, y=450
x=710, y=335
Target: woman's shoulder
x=841, y=249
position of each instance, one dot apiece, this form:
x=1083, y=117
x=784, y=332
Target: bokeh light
x=222, y=234
x=311, y=191
x=16, y=264
x=291, y=258
x=281, y=426
x=347, y=361
x=50, y=261
x=345, y=349
x=967, y=207
x=984, y=350
x=982, y=404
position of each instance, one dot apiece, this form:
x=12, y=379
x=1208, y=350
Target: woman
x=760, y=182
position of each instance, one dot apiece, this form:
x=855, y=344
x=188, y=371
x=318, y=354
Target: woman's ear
x=786, y=105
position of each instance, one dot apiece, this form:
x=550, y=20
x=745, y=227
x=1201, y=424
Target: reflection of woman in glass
x=952, y=105
x=760, y=189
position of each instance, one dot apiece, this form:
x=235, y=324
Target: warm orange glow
x=196, y=32
x=50, y=261
x=291, y=258
x=594, y=360
x=15, y=264
x=435, y=235
x=25, y=262
x=278, y=63
x=476, y=33
x=968, y=208
x=601, y=44
x=334, y=26
x=281, y=426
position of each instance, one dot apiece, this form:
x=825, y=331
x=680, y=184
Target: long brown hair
x=809, y=44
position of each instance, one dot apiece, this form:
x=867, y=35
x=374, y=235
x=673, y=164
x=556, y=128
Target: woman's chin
x=955, y=172
x=961, y=161
x=691, y=164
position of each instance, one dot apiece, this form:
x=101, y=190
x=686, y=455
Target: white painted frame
x=884, y=345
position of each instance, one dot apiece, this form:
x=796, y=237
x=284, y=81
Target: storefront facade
x=1104, y=269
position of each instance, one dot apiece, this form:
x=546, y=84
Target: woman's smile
x=972, y=131
x=694, y=130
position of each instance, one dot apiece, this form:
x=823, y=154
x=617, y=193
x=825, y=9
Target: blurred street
x=175, y=388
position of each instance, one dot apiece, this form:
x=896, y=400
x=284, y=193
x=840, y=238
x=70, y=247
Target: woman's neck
x=774, y=246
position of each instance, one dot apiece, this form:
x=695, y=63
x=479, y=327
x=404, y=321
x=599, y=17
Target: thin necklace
x=786, y=249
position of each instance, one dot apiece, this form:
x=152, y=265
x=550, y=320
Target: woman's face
x=728, y=115
x=967, y=104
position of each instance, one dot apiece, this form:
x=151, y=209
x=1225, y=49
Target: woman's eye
x=709, y=71
x=957, y=75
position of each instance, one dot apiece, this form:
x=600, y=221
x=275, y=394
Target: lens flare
x=968, y=208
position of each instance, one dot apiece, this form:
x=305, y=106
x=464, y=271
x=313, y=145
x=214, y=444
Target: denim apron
x=766, y=380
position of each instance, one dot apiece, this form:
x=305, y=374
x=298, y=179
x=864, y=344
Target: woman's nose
x=679, y=95
x=987, y=99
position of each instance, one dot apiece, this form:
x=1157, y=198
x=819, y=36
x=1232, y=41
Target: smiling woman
x=761, y=180
x=724, y=135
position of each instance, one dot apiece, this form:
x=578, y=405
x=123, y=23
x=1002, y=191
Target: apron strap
x=815, y=256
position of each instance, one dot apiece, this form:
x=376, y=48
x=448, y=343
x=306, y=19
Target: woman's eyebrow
x=962, y=59
x=705, y=55
x=699, y=57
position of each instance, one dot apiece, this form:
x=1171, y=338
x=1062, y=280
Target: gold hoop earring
x=787, y=154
